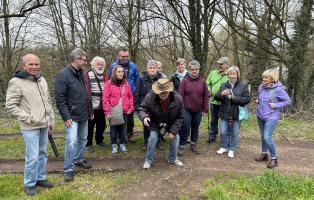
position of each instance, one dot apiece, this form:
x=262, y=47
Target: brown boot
x=272, y=163
x=194, y=149
x=262, y=157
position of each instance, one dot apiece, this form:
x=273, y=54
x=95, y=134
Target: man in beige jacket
x=28, y=100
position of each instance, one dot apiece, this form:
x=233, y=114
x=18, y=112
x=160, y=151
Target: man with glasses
x=215, y=79
x=75, y=110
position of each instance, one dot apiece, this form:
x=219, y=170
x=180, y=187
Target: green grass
x=270, y=186
x=94, y=185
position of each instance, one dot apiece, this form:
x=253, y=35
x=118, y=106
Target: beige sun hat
x=162, y=85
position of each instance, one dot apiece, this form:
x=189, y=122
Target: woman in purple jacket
x=272, y=97
x=194, y=92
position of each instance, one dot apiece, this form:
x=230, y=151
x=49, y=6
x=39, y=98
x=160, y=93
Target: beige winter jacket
x=29, y=101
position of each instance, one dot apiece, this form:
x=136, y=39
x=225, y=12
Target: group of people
x=168, y=108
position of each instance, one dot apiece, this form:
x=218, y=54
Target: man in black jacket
x=162, y=111
x=72, y=103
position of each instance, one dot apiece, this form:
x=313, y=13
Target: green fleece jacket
x=214, y=81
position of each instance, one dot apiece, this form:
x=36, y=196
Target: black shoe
x=89, y=148
x=101, y=144
x=69, y=176
x=211, y=141
x=45, y=184
x=84, y=165
x=31, y=191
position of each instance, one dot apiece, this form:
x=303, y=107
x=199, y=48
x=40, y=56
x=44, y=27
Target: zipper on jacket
x=42, y=100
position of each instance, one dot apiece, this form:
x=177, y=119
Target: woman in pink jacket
x=118, y=87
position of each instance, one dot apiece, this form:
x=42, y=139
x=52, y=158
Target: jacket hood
x=24, y=74
x=277, y=84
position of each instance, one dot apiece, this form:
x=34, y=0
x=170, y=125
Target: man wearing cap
x=162, y=112
x=28, y=100
x=215, y=79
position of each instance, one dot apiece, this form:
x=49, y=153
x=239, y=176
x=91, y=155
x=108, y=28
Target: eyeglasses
x=194, y=69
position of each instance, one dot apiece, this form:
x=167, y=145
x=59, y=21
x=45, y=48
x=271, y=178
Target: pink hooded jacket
x=111, y=96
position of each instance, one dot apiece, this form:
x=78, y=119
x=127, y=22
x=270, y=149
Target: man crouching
x=162, y=112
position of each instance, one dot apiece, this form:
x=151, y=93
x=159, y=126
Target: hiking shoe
x=144, y=148
x=114, y=149
x=123, y=148
x=160, y=147
x=261, y=158
x=230, y=154
x=69, y=176
x=31, y=191
x=101, y=144
x=84, y=165
x=180, y=152
x=177, y=163
x=194, y=149
x=221, y=151
x=90, y=148
x=45, y=184
x=211, y=141
x=147, y=165
x=272, y=163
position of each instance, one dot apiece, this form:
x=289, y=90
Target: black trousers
x=130, y=125
x=100, y=122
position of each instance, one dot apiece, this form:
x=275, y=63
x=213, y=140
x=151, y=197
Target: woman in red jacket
x=116, y=90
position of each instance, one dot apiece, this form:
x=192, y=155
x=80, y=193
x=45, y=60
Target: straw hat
x=162, y=85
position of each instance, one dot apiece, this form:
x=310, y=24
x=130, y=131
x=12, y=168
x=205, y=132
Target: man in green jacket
x=215, y=79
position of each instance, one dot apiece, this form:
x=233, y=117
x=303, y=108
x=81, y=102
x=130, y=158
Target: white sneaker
x=221, y=151
x=147, y=165
x=230, y=154
x=177, y=163
x=123, y=148
x=114, y=149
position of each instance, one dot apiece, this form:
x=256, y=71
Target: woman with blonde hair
x=271, y=98
x=232, y=94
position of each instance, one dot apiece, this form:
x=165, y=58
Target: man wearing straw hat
x=162, y=112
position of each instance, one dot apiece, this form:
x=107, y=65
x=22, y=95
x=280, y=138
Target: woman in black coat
x=232, y=94
x=144, y=86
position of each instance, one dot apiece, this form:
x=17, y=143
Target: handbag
x=117, y=112
x=243, y=113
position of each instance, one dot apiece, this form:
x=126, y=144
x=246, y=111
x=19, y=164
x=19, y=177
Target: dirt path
x=168, y=182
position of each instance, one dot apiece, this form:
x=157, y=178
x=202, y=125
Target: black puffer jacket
x=143, y=87
x=151, y=108
x=71, y=95
x=230, y=107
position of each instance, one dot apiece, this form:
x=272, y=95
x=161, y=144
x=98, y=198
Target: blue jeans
x=147, y=133
x=76, y=139
x=267, y=129
x=119, y=130
x=191, y=123
x=152, y=141
x=213, y=131
x=229, y=134
x=35, y=155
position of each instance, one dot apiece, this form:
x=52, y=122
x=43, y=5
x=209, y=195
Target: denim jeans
x=267, y=129
x=119, y=130
x=152, y=141
x=191, y=123
x=213, y=131
x=76, y=139
x=229, y=134
x=100, y=122
x=147, y=133
x=35, y=155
